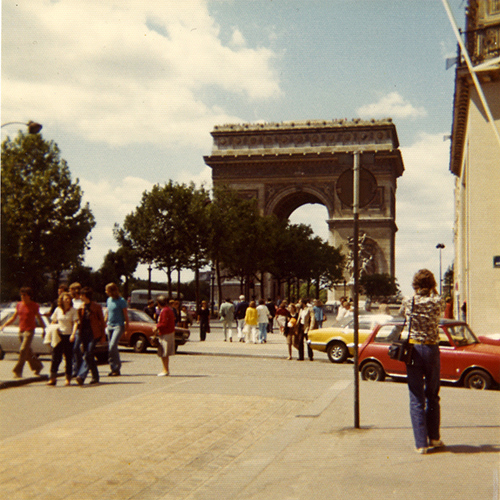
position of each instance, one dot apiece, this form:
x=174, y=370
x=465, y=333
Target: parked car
x=141, y=328
x=464, y=358
x=338, y=342
x=9, y=339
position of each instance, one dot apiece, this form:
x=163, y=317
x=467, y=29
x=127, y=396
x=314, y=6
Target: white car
x=9, y=338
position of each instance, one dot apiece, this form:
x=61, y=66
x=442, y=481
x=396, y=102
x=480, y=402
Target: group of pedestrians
x=254, y=320
x=296, y=320
x=77, y=325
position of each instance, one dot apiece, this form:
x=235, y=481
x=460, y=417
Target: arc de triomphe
x=287, y=165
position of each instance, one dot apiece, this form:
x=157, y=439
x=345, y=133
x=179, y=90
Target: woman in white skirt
x=166, y=332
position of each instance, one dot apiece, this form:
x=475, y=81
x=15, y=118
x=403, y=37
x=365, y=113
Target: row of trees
x=179, y=226
x=46, y=230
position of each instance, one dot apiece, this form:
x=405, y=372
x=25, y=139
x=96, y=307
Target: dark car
x=141, y=328
x=464, y=358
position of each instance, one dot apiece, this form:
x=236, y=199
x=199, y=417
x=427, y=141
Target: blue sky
x=130, y=90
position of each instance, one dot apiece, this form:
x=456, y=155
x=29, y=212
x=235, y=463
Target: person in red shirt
x=166, y=332
x=28, y=313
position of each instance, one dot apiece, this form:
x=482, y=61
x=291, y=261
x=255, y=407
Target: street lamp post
x=33, y=127
x=440, y=247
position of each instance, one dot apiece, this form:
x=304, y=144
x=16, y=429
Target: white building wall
x=478, y=217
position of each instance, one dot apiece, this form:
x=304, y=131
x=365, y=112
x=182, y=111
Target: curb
x=22, y=381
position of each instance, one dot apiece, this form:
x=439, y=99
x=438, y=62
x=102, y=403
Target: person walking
x=319, y=313
x=65, y=316
x=62, y=288
x=28, y=312
x=291, y=327
x=204, y=320
x=239, y=314
x=272, y=311
x=281, y=316
x=251, y=322
x=306, y=318
x=150, y=309
x=75, y=289
x=186, y=318
x=117, y=321
x=166, y=332
x=263, y=318
x=424, y=310
x=92, y=331
x=226, y=313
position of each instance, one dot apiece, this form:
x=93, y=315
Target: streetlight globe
x=33, y=127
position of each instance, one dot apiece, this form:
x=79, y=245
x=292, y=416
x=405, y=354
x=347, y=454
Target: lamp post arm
x=33, y=127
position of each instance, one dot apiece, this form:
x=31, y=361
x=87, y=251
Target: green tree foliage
x=116, y=265
x=169, y=229
x=45, y=229
x=379, y=285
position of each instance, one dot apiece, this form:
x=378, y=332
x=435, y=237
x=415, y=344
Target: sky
x=130, y=90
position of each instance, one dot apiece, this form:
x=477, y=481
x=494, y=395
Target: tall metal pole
x=356, y=285
x=472, y=70
x=440, y=246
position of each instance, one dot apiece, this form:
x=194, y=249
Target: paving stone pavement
x=173, y=444
x=144, y=454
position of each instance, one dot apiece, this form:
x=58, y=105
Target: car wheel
x=337, y=352
x=139, y=342
x=372, y=371
x=478, y=379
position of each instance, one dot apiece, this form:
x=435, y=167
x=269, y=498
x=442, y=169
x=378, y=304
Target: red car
x=141, y=327
x=464, y=359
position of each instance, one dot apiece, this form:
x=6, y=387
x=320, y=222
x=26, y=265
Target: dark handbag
x=401, y=350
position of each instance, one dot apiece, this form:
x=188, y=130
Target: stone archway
x=287, y=165
x=283, y=200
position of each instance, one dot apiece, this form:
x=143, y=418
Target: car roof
x=442, y=321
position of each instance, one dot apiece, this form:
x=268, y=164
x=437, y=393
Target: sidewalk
x=226, y=446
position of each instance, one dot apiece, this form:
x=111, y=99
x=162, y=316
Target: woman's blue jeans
x=424, y=383
x=114, y=333
x=88, y=362
x=263, y=332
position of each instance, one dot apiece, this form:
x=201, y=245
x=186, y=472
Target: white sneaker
x=437, y=443
x=163, y=374
x=422, y=451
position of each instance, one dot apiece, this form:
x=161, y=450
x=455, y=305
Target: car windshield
x=389, y=333
x=139, y=316
x=461, y=335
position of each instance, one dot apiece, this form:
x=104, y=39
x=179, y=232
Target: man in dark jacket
x=239, y=316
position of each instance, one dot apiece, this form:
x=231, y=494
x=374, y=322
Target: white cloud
x=425, y=209
x=391, y=105
x=127, y=71
x=110, y=203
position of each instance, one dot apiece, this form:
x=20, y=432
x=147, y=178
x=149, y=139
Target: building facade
x=475, y=162
x=287, y=165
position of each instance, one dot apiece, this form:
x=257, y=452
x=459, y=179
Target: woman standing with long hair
x=424, y=310
x=251, y=322
x=66, y=318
